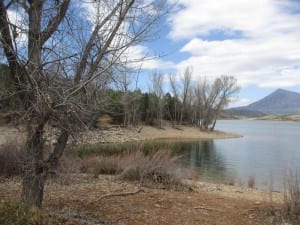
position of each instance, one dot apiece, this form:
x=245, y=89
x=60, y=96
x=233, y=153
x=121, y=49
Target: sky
x=256, y=41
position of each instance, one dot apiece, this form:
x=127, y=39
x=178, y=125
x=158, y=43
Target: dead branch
x=119, y=194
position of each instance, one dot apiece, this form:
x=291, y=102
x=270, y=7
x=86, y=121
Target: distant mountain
x=280, y=102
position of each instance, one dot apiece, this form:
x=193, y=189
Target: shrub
x=231, y=181
x=158, y=168
x=19, y=214
x=292, y=194
x=11, y=159
x=251, y=182
x=101, y=165
x=69, y=163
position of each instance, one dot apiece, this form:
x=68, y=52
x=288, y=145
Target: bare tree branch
x=54, y=23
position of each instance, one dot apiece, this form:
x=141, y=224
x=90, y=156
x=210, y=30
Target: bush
x=292, y=194
x=11, y=158
x=101, y=165
x=251, y=182
x=159, y=168
x=19, y=214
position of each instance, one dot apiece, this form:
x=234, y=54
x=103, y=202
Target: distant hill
x=280, y=102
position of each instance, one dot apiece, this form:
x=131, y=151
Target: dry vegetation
x=11, y=156
x=159, y=168
x=12, y=213
x=137, y=189
x=291, y=206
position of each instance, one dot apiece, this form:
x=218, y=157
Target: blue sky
x=256, y=41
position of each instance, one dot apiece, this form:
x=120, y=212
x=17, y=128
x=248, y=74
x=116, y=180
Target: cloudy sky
x=257, y=41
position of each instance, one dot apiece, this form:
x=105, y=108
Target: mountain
x=280, y=102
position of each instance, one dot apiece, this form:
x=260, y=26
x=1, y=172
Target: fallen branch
x=208, y=208
x=119, y=194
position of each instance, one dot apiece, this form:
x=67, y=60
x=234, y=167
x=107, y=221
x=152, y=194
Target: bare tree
x=62, y=67
x=211, y=98
x=174, y=88
x=130, y=97
x=157, y=90
x=186, y=90
x=226, y=86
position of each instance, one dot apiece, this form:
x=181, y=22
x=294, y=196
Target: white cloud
x=140, y=56
x=236, y=102
x=18, y=19
x=267, y=53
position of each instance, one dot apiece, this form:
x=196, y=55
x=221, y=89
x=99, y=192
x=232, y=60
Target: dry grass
x=19, y=214
x=287, y=212
x=159, y=169
x=251, y=182
x=68, y=164
x=11, y=159
x=292, y=194
x=101, y=165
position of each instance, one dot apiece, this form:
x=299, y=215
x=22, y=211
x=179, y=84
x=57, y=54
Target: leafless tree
x=157, y=89
x=225, y=87
x=211, y=98
x=174, y=88
x=130, y=97
x=186, y=90
x=60, y=66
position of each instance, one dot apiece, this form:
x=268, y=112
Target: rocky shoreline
x=120, y=134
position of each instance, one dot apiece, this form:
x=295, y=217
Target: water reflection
x=203, y=157
x=267, y=149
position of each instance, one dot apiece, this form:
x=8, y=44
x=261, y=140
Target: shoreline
x=118, y=134
x=148, y=133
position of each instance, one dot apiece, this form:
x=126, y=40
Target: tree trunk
x=36, y=168
x=33, y=188
x=34, y=174
x=214, y=124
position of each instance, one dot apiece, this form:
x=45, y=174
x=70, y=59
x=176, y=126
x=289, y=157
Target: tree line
x=178, y=99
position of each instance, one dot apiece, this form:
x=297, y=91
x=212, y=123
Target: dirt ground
x=76, y=199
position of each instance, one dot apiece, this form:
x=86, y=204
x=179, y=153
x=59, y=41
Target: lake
x=266, y=151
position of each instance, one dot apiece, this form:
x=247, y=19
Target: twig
x=119, y=194
x=207, y=208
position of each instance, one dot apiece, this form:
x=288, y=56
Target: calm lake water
x=266, y=150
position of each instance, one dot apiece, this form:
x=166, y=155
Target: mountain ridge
x=279, y=102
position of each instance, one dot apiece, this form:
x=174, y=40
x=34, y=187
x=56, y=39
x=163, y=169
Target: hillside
x=280, y=102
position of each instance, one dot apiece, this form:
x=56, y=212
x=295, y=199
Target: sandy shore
x=119, y=134
x=185, y=132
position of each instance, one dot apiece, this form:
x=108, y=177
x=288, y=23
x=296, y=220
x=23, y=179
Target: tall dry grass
x=11, y=159
x=159, y=168
x=291, y=194
x=12, y=213
x=287, y=212
x=251, y=182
